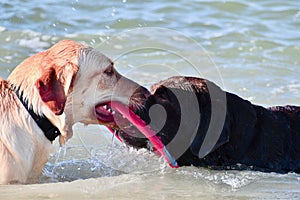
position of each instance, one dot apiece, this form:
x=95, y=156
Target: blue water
x=249, y=48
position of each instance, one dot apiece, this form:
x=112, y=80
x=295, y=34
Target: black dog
x=189, y=114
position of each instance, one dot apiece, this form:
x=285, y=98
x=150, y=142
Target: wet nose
x=139, y=97
x=141, y=93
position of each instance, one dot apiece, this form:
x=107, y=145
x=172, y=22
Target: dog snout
x=141, y=93
x=128, y=88
x=139, y=98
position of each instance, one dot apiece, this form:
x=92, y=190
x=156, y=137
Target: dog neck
x=50, y=131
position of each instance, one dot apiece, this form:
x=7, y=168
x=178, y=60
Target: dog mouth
x=104, y=113
x=118, y=118
x=110, y=117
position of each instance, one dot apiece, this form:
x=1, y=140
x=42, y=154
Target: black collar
x=50, y=131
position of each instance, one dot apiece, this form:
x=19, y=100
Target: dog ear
x=52, y=91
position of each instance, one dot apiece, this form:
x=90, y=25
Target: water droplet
x=8, y=39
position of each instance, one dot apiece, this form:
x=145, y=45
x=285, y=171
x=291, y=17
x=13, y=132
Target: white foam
x=2, y=28
x=71, y=35
x=290, y=88
x=33, y=43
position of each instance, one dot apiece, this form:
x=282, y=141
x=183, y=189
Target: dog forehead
x=92, y=58
x=175, y=82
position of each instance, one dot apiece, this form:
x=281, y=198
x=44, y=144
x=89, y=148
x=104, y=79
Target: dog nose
x=141, y=92
x=145, y=91
x=140, y=102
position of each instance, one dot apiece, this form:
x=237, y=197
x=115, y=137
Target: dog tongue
x=146, y=131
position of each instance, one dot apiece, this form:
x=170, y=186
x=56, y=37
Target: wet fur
x=64, y=83
x=252, y=137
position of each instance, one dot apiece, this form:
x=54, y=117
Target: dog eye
x=109, y=71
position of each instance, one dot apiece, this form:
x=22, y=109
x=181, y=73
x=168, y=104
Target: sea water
x=250, y=48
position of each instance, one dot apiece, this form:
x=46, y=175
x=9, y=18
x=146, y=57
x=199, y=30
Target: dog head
x=65, y=82
x=180, y=111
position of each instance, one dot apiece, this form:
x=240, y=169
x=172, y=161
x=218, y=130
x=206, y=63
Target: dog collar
x=50, y=131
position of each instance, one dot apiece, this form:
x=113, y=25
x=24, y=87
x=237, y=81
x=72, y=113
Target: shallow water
x=249, y=48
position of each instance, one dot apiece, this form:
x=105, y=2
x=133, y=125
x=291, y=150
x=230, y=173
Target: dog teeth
x=106, y=107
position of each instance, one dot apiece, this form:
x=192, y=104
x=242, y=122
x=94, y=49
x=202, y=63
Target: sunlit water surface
x=249, y=48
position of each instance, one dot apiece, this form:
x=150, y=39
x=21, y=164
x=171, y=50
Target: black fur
x=252, y=137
